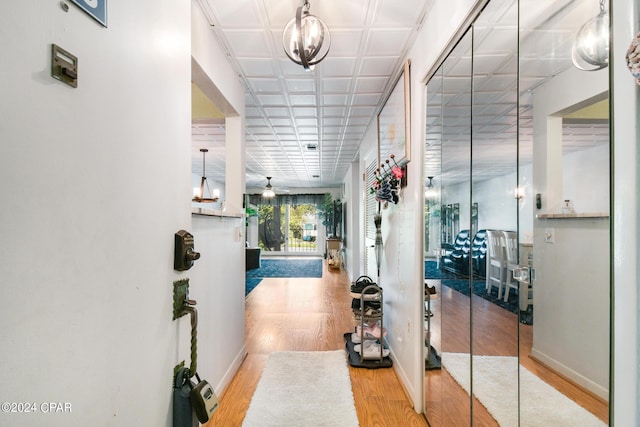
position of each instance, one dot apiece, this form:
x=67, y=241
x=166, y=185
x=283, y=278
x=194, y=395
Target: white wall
x=402, y=267
x=571, y=288
x=571, y=300
x=218, y=278
x=586, y=183
x=353, y=194
x=95, y=181
x=585, y=179
x=217, y=284
x=497, y=207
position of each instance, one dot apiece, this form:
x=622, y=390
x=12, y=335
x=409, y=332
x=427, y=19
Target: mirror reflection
x=494, y=150
x=448, y=314
x=517, y=167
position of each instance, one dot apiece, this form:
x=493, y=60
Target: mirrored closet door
x=517, y=227
x=447, y=312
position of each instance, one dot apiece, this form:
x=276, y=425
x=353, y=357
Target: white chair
x=496, y=261
x=511, y=252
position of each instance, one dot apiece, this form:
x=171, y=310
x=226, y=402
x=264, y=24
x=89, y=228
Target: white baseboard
x=570, y=374
x=231, y=372
x=414, y=398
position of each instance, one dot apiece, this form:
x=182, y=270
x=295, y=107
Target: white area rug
x=301, y=388
x=494, y=386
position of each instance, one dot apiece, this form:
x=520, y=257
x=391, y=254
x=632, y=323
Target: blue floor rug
x=461, y=284
x=282, y=268
x=250, y=284
x=287, y=268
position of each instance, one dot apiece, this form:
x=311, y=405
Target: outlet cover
x=549, y=235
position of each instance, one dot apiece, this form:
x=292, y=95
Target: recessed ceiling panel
x=275, y=100
x=266, y=85
x=337, y=67
x=346, y=43
x=371, y=84
x=391, y=13
x=379, y=66
x=305, y=112
x=236, y=14
x=367, y=99
x=301, y=85
x=302, y=100
x=249, y=44
x=385, y=42
x=286, y=104
x=336, y=85
x=335, y=100
x=257, y=67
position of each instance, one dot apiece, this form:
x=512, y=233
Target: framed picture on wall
x=394, y=121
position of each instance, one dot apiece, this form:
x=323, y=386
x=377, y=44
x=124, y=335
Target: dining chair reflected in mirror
x=511, y=253
x=496, y=261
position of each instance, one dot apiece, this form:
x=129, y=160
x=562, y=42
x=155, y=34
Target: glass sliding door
x=271, y=237
x=302, y=229
x=289, y=229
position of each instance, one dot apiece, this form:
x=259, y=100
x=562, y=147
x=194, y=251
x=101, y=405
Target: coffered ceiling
x=305, y=128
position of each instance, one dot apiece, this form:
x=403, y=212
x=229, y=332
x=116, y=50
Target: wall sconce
x=430, y=192
x=268, y=190
x=198, y=193
x=306, y=39
x=590, y=50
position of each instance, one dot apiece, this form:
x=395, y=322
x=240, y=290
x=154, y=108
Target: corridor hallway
x=309, y=314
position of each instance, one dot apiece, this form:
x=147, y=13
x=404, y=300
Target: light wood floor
x=495, y=334
x=310, y=315
x=313, y=315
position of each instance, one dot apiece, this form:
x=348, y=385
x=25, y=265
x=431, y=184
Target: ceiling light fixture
x=268, y=190
x=198, y=194
x=590, y=50
x=306, y=39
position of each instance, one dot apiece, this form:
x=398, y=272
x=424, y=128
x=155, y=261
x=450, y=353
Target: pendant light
x=268, y=190
x=198, y=196
x=590, y=50
x=306, y=38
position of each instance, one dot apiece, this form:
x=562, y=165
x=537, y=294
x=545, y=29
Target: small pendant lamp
x=198, y=196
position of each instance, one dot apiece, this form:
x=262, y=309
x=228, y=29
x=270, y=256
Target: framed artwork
x=394, y=121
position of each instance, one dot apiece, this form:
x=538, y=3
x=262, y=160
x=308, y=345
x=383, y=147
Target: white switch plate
x=549, y=235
